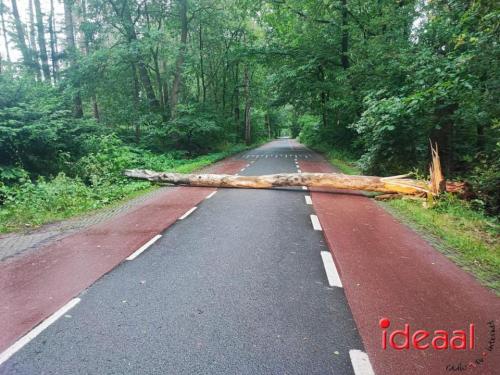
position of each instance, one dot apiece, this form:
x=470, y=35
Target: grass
x=466, y=236
x=342, y=160
x=36, y=203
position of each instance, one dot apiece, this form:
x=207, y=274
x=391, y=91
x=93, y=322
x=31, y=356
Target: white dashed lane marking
x=188, y=213
x=211, y=195
x=330, y=269
x=315, y=223
x=4, y=356
x=140, y=250
x=308, y=199
x=360, y=362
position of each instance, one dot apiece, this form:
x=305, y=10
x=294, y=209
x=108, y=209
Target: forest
x=89, y=88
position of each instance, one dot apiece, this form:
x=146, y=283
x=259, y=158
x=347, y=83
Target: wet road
x=241, y=285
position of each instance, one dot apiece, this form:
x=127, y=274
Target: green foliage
x=310, y=129
x=37, y=132
x=196, y=129
x=383, y=78
x=486, y=181
x=99, y=182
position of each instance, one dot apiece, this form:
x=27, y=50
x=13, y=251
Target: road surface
x=232, y=281
x=237, y=286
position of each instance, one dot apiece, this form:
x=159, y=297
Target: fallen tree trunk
x=391, y=186
x=388, y=185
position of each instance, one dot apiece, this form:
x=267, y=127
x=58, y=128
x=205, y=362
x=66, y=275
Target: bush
x=486, y=181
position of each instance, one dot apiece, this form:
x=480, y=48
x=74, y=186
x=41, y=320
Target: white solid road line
x=315, y=222
x=308, y=199
x=360, y=362
x=136, y=253
x=9, y=352
x=211, y=195
x=188, y=213
x=331, y=270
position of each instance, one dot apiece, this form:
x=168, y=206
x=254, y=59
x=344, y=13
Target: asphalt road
x=236, y=287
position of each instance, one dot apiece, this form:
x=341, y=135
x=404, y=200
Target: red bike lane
x=36, y=284
x=389, y=271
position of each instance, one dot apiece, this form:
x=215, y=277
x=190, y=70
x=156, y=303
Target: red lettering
x=472, y=339
x=459, y=340
x=405, y=333
x=440, y=335
x=419, y=336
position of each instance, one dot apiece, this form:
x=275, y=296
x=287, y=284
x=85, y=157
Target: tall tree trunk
x=159, y=81
x=248, y=107
x=135, y=98
x=21, y=38
x=53, y=43
x=32, y=40
x=268, y=124
x=4, y=30
x=237, y=120
x=85, y=46
x=202, y=71
x=41, y=41
x=174, y=95
x=131, y=35
x=70, y=50
x=165, y=90
x=324, y=96
x=344, y=48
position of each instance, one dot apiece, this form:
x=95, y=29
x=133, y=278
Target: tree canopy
x=374, y=79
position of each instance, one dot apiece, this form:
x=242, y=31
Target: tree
x=71, y=53
x=32, y=40
x=21, y=39
x=4, y=30
x=53, y=43
x=174, y=96
x=41, y=40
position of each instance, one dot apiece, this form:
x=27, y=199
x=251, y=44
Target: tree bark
x=248, y=107
x=174, y=95
x=41, y=41
x=388, y=185
x=70, y=50
x=21, y=38
x=4, y=30
x=32, y=40
x=236, y=95
x=53, y=43
x=202, y=71
x=344, y=44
